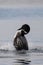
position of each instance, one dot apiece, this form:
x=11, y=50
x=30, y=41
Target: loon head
x=24, y=29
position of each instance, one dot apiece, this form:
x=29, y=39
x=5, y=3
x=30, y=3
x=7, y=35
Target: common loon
x=20, y=42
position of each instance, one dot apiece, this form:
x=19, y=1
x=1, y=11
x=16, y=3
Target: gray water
x=21, y=58
x=10, y=20
x=9, y=55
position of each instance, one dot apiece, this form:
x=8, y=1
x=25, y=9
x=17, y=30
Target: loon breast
x=20, y=42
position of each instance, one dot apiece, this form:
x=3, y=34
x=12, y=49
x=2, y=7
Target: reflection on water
x=22, y=58
x=22, y=62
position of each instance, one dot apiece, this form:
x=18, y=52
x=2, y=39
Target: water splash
x=7, y=46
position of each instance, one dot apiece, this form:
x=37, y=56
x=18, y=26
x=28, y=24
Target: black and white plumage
x=20, y=41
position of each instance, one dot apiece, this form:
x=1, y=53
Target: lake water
x=9, y=55
x=10, y=20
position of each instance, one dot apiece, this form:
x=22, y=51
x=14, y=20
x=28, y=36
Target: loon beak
x=25, y=32
x=22, y=30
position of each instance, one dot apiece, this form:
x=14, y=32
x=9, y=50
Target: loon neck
x=22, y=33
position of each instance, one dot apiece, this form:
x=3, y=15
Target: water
x=10, y=20
x=10, y=58
x=9, y=55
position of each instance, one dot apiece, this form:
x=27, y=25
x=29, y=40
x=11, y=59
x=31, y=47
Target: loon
x=20, y=41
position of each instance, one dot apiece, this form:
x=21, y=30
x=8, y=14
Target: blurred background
x=15, y=13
